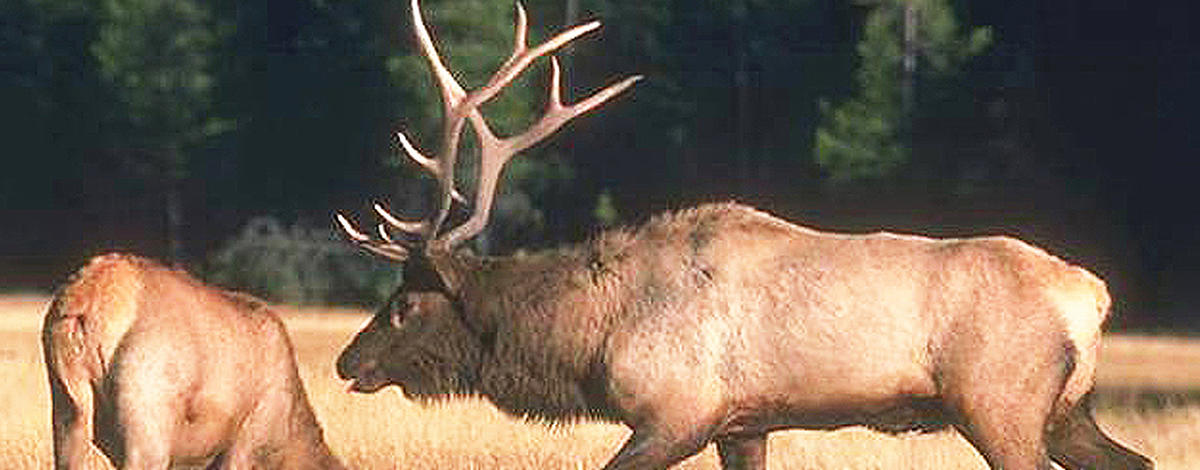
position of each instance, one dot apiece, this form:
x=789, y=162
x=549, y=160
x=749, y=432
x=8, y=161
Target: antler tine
x=387, y=249
x=522, y=57
x=452, y=92
x=349, y=229
x=558, y=114
x=416, y=155
x=429, y=164
x=415, y=228
x=384, y=235
x=522, y=32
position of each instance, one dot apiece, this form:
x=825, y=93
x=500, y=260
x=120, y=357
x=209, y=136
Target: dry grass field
x=1151, y=401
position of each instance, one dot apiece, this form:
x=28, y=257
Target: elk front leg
x=146, y=432
x=650, y=448
x=260, y=439
x=147, y=417
x=743, y=452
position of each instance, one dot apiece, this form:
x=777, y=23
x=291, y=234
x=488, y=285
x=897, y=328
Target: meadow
x=1149, y=399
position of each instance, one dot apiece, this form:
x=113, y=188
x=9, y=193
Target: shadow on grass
x=1142, y=399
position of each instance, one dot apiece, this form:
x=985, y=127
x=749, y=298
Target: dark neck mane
x=543, y=322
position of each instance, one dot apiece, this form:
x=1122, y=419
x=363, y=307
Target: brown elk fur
x=149, y=367
x=722, y=323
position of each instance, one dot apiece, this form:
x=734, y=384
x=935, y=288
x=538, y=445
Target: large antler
x=457, y=107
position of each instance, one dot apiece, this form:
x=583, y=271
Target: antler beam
x=459, y=105
x=495, y=152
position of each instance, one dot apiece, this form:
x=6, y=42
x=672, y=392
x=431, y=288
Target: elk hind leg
x=1003, y=404
x=1012, y=445
x=743, y=452
x=72, y=402
x=1077, y=443
x=72, y=418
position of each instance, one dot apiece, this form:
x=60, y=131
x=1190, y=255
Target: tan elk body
x=721, y=323
x=150, y=368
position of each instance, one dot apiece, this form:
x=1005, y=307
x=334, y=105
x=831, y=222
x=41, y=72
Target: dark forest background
x=222, y=135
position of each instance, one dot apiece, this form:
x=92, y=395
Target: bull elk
x=150, y=368
x=721, y=323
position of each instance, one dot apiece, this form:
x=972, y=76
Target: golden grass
x=385, y=431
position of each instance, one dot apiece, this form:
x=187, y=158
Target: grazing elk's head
x=421, y=339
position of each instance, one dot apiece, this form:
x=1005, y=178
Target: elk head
x=427, y=307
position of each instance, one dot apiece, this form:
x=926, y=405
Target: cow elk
x=721, y=323
x=150, y=368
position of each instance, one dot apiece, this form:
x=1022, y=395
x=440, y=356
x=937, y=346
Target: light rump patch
x=1085, y=305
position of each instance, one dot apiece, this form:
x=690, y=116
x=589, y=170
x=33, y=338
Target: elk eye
x=399, y=311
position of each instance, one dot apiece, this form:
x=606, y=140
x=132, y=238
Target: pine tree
x=910, y=49
x=156, y=56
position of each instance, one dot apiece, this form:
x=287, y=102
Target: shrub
x=301, y=265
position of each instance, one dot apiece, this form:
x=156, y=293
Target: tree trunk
x=174, y=208
x=909, y=73
x=741, y=84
